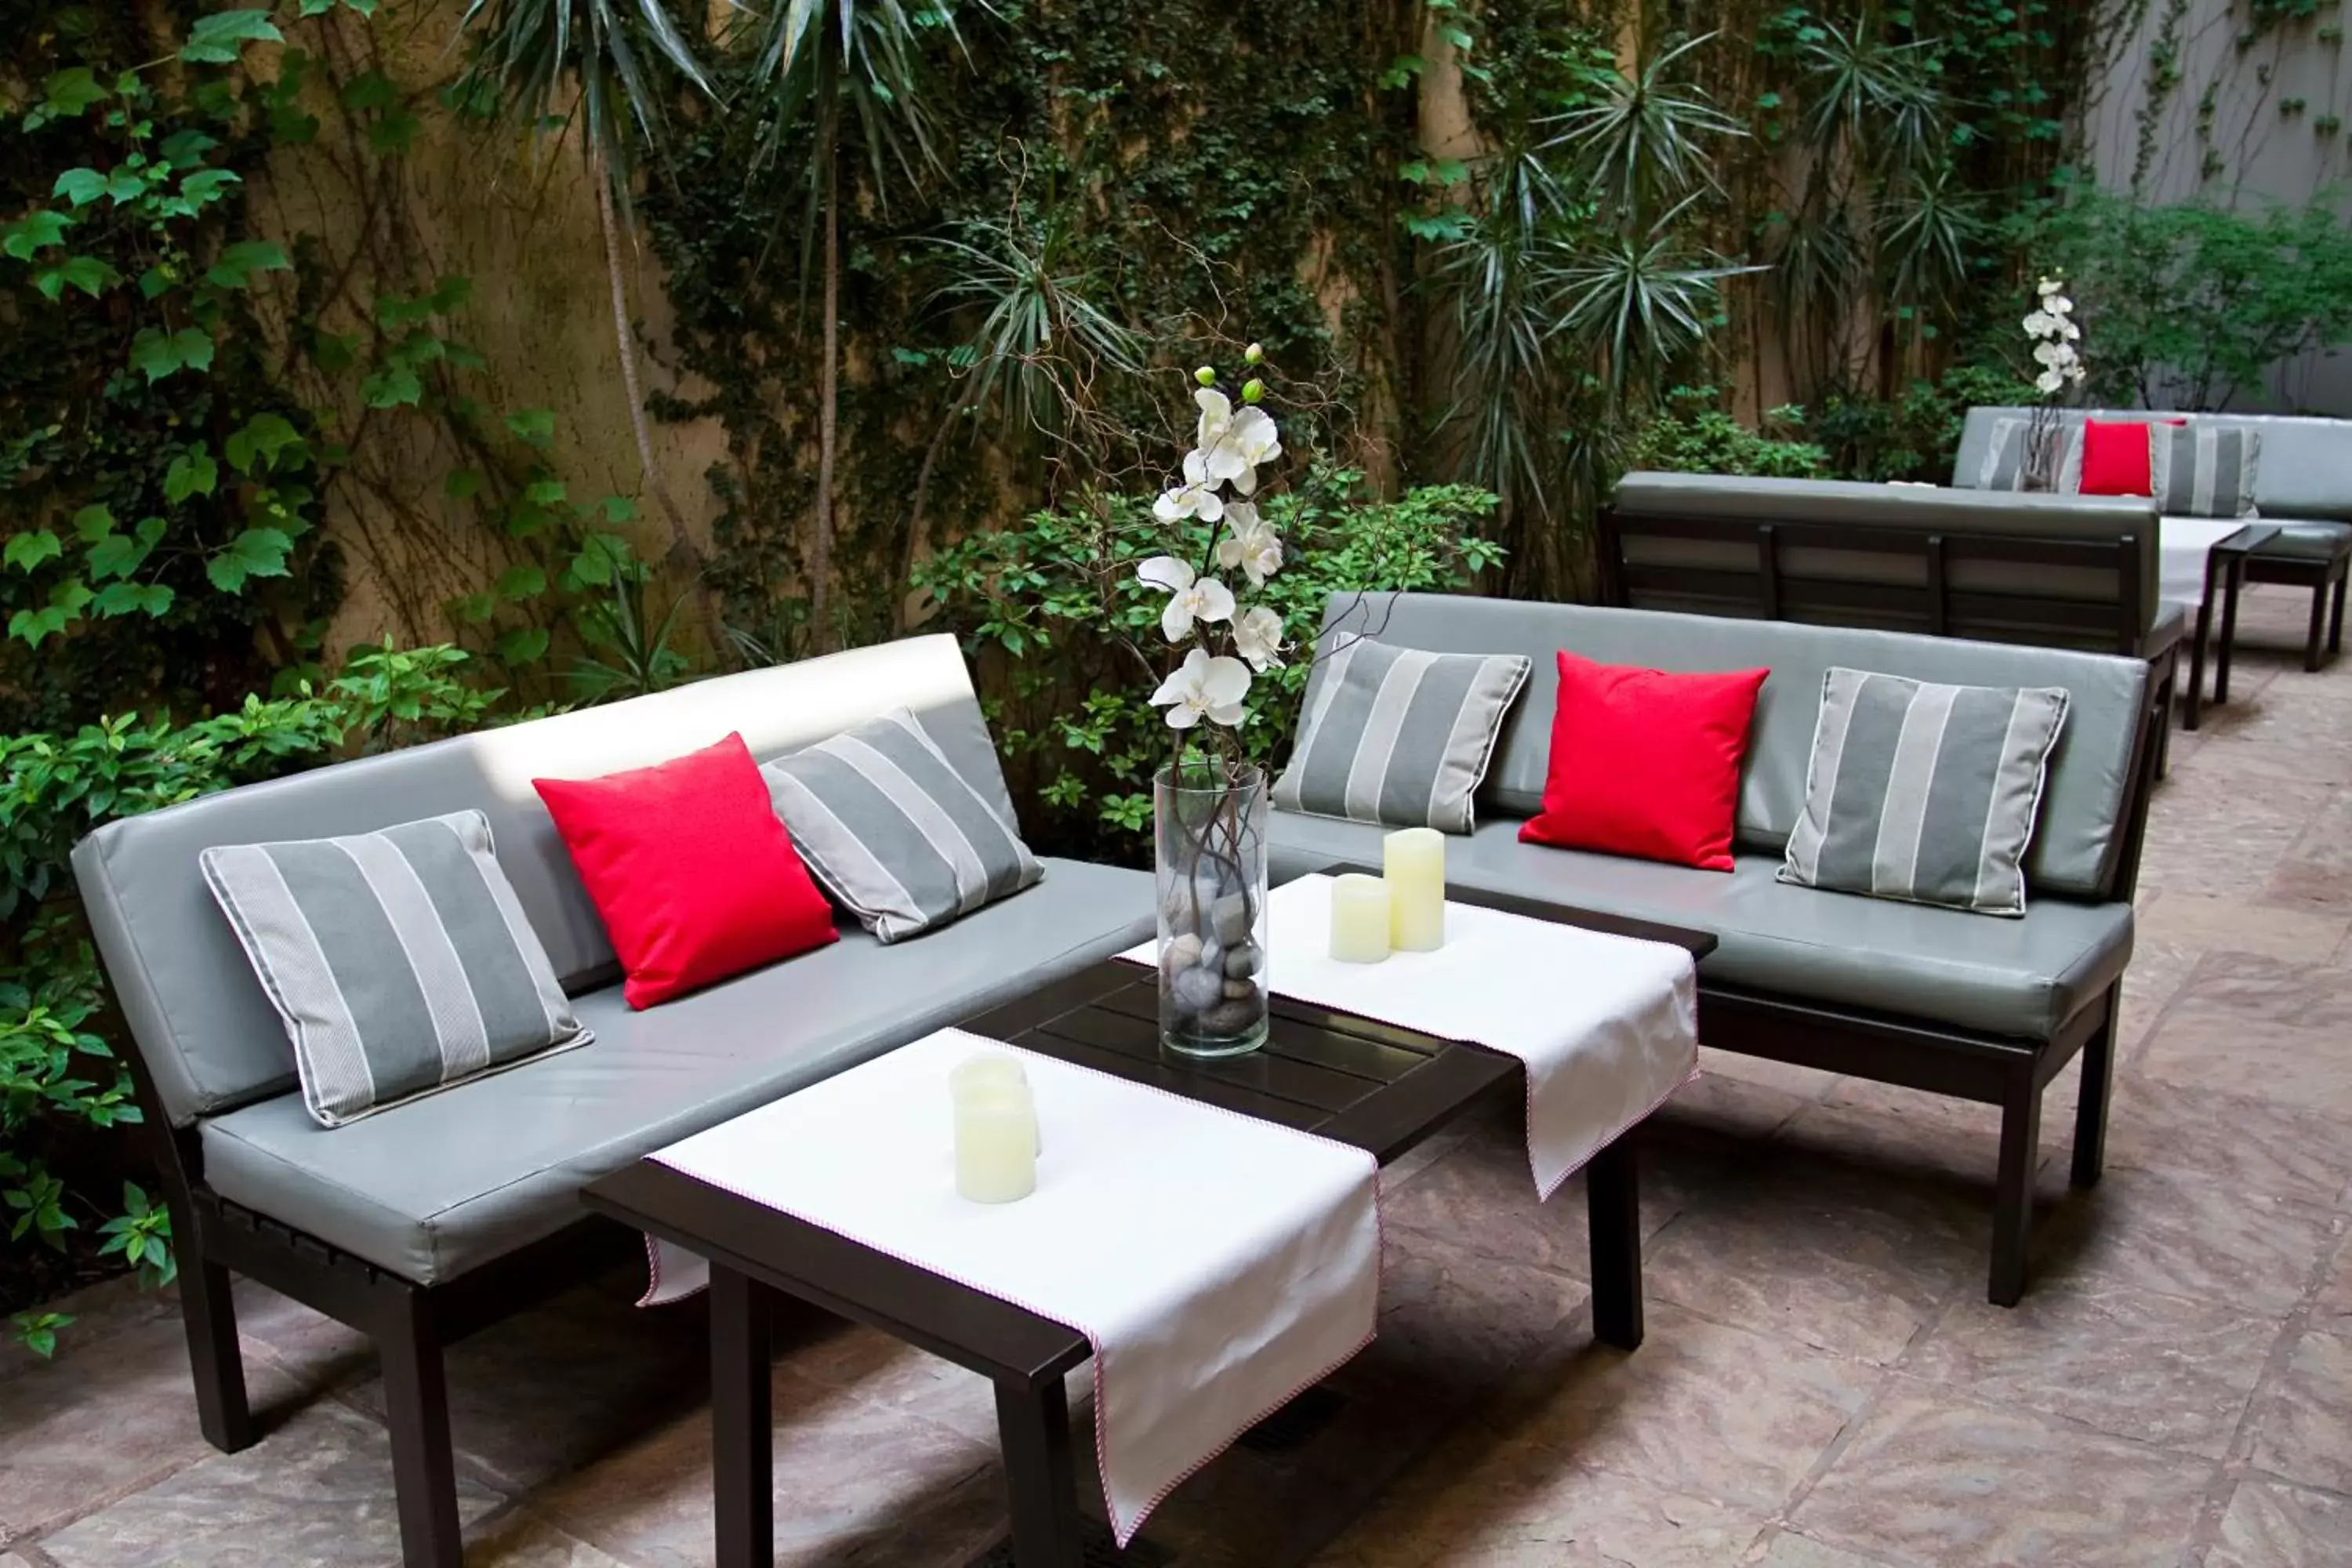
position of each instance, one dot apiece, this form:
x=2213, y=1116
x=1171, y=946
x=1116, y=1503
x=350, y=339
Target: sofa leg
x=2098, y=1088
x=2335, y=616
x=423, y=1468
x=2012, y=1211
x=208, y=1311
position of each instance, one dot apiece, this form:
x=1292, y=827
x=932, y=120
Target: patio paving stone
x=2304, y=1423
x=2269, y=1525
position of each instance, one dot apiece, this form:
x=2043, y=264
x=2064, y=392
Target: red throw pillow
x=1646, y=763
x=691, y=868
x=2115, y=458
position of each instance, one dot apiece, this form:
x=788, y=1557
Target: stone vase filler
x=1210, y=858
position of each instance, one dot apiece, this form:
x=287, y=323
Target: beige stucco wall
x=2229, y=132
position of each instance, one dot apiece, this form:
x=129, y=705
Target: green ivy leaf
x=93, y=523
x=128, y=598
x=87, y=273
x=79, y=186
x=261, y=440
x=462, y=484
x=240, y=261
x=475, y=609
x=125, y=185
x=217, y=39
x=69, y=92
x=524, y=645
x=206, y=185
x=160, y=355
x=120, y=554
x=524, y=581
x=532, y=426
x=392, y=386
x=193, y=472
x=35, y=231
x=544, y=492
x=27, y=550
x=619, y=509
x=256, y=553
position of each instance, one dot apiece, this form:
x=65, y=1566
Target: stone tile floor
x=1823, y=1386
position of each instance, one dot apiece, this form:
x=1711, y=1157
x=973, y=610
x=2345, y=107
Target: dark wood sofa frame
x=2003, y=1072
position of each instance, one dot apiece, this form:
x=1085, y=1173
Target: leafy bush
x=60, y=1077
x=2191, y=306
x=1692, y=436
x=1916, y=436
x=1080, y=739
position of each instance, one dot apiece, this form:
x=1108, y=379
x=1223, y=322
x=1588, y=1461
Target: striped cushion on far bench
x=1400, y=736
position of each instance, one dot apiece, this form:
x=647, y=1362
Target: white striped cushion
x=1398, y=736
x=2199, y=470
x=400, y=961
x=1924, y=793
x=893, y=831
x=2003, y=468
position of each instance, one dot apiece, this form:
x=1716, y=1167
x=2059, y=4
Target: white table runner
x=2183, y=543
x=1219, y=1264
x=1607, y=1025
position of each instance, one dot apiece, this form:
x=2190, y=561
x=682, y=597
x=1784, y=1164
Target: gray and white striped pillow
x=1925, y=793
x=400, y=961
x=2205, y=471
x=2003, y=468
x=893, y=831
x=1400, y=736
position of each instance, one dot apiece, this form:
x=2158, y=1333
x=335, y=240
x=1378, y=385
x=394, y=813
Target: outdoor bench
x=1961, y=1003
x=425, y=1220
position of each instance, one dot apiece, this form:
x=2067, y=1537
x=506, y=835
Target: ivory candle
x=985, y=1074
x=1413, y=862
x=1360, y=919
x=995, y=1148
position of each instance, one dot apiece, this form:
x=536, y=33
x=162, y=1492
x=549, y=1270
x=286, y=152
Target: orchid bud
x=1252, y=354
x=1206, y=376
x=1252, y=389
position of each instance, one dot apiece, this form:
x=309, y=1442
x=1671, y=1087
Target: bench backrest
x=2089, y=805
x=2056, y=571
x=2304, y=473
x=203, y=1027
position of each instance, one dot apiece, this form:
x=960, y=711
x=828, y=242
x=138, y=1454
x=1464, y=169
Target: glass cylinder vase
x=1210, y=835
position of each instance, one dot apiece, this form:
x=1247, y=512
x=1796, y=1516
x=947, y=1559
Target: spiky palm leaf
x=1645, y=142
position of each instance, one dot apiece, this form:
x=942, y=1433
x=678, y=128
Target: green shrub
x=1032, y=602
x=1691, y=434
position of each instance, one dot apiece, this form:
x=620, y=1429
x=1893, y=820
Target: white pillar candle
x=1414, y=861
x=993, y=1073
x=995, y=1148
x=1360, y=919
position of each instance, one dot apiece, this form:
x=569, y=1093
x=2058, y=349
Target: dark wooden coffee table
x=1381, y=1088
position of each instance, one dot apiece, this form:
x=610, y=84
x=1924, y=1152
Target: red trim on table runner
x=1543, y=1194
x=1123, y=1533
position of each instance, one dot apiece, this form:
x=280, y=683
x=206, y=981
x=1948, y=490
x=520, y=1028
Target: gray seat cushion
x=2022, y=978
x=2308, y=541
x=437, y=1187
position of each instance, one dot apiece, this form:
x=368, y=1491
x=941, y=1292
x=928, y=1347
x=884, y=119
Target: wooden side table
x=2225, y=576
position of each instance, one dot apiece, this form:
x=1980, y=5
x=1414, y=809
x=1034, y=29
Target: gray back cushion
x=2090, y=778
x=204, y=1026
x=2306, y=464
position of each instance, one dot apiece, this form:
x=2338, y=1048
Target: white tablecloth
x=1608, y=1026
x=2183, y=543
x=1219, y=1264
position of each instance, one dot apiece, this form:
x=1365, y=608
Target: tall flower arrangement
x=2053, y=331
x=1209, y=803
x=1227, y=644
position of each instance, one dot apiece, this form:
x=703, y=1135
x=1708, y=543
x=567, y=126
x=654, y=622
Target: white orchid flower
x=2048, y=380
x=1249, y=544
x=1257, y=638
x=2041, y=324
x=1216, y=418
x=1204, y=688
x=1196, y=497
x=2048, y=286
x=1190, y=598
x=2059, y=305
x=1232, y=443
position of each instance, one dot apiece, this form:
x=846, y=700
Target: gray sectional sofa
x=2303, y=485
x=426, y=1220
x=1965, y=1005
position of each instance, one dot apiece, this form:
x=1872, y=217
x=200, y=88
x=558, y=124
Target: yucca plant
x=838, y=69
